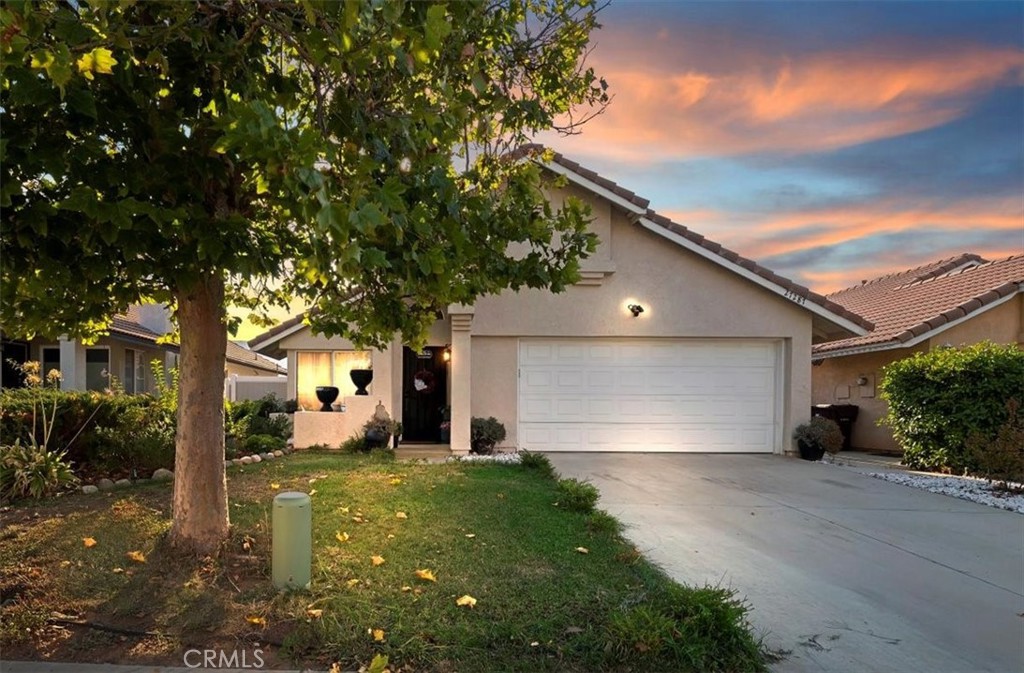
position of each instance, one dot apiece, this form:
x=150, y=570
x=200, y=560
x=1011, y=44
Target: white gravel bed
x=967, y=488
x=493, y=458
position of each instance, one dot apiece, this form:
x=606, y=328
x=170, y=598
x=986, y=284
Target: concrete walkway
x=849, y=573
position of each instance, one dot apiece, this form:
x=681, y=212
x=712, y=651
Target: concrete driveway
x=848, y=572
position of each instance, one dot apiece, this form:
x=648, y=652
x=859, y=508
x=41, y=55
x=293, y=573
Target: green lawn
x=493, y=532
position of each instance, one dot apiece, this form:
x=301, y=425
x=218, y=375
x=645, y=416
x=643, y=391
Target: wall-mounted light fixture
x=446, y=354
x=862, y=380
x=635, y=309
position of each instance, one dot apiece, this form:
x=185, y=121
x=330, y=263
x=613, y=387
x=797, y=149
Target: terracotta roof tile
x=911, y=303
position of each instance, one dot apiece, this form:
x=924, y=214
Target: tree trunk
x=200, y=504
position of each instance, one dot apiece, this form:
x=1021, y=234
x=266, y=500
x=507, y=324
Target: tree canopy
x=357, y=155
x=351, y=154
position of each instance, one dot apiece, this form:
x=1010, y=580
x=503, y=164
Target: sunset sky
x=831, y=142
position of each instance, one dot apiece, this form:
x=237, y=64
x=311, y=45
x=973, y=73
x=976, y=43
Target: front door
x=424, y=394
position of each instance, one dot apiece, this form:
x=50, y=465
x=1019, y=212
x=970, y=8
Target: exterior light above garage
x=635, y=309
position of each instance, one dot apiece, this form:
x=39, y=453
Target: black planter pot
x=361, y=378
x=376, y=439
x=809, y=451
x=326, y=395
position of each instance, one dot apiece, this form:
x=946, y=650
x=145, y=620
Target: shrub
x=484, y=434
x=538, y=462
x=937, y=400
x=142, y=441
x=290, y=406
x=32, y=471
x=577, y=496
x=820, y=433
x=1001, y=459
x=263, y=444
x=355, y=444
x=703, y=629
x=248, y=418
x=602, y=522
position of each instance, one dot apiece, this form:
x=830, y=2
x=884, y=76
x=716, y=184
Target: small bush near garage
x=484, y=434
x=577, y=496
x=252, y=418
x=937, y=400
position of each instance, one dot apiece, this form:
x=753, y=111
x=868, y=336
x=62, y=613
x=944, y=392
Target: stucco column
x=69, y=364
x=461, y=370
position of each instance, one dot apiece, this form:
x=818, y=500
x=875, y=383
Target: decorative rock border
x=162, y=474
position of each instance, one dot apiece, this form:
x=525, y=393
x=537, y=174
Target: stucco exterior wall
x=1002, y=324
x=835, y=382
x=683, y=295
x=77, y=379
x=495, y=382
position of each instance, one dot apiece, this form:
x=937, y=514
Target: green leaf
x=437, y=27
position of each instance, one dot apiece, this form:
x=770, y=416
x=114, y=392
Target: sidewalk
x=871, y=460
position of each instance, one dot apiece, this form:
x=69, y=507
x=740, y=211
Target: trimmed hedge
x=937, y=400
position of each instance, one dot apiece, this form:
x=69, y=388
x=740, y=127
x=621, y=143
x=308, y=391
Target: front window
x=134, y=372
x=326, y=368
x=97, y=369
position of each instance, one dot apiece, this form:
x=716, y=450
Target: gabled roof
x=126, y=325
x=830, y=313
x=913, y=305
x=830, y=318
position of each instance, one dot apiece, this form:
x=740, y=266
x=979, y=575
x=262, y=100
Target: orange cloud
x=820, y=102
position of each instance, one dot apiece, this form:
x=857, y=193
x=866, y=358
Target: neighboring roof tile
x=911, y=303
x=277, y=329
x=240, y=354
x=126, y=325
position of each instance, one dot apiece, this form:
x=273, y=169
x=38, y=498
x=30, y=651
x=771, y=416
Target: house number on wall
x=425, y=354
x=793, y=296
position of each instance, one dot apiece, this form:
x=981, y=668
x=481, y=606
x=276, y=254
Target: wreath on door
x=424, y=382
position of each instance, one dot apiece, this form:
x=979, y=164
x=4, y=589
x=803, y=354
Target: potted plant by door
x=818, y=436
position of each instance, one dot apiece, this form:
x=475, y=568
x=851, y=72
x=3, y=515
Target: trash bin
x=845, y=415
x=292, y=541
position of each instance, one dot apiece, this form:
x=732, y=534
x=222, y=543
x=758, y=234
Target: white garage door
x=647, y=395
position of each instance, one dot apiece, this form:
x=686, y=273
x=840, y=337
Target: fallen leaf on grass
x=395, y=482
x=352, y=582
x=256, y=620
x=583, y=550
x=401, y=515
x=88, y=542
x=343, y=510
x=136, y=556
x=466, y=600
x=117, y=571
x=391, y=536
x=377, y=560
x=275, y=486
x=471, y=535
x=358, y=519
x=341, y=537
x=378, y=635
x=312, y=493
x=315, y=613
x=406, y=589
x=426, y=575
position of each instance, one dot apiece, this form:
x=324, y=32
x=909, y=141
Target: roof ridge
x=951, y=262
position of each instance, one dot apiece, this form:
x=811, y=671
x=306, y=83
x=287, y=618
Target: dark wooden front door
x=422, y=405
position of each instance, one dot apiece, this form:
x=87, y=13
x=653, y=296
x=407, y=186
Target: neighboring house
x=718, y=359
x=951, y=302
x=126, y=354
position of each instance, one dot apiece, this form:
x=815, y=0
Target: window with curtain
x=326, y=368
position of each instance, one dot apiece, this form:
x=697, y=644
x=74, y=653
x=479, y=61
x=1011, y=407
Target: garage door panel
x=647, y=395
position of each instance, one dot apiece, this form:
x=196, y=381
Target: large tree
x=204, y=154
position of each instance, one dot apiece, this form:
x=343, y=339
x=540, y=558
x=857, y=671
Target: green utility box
x=292, y=525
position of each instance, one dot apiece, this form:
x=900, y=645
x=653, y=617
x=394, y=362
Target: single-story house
x=669, y=342
x=950, y=302
x=126, y=353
